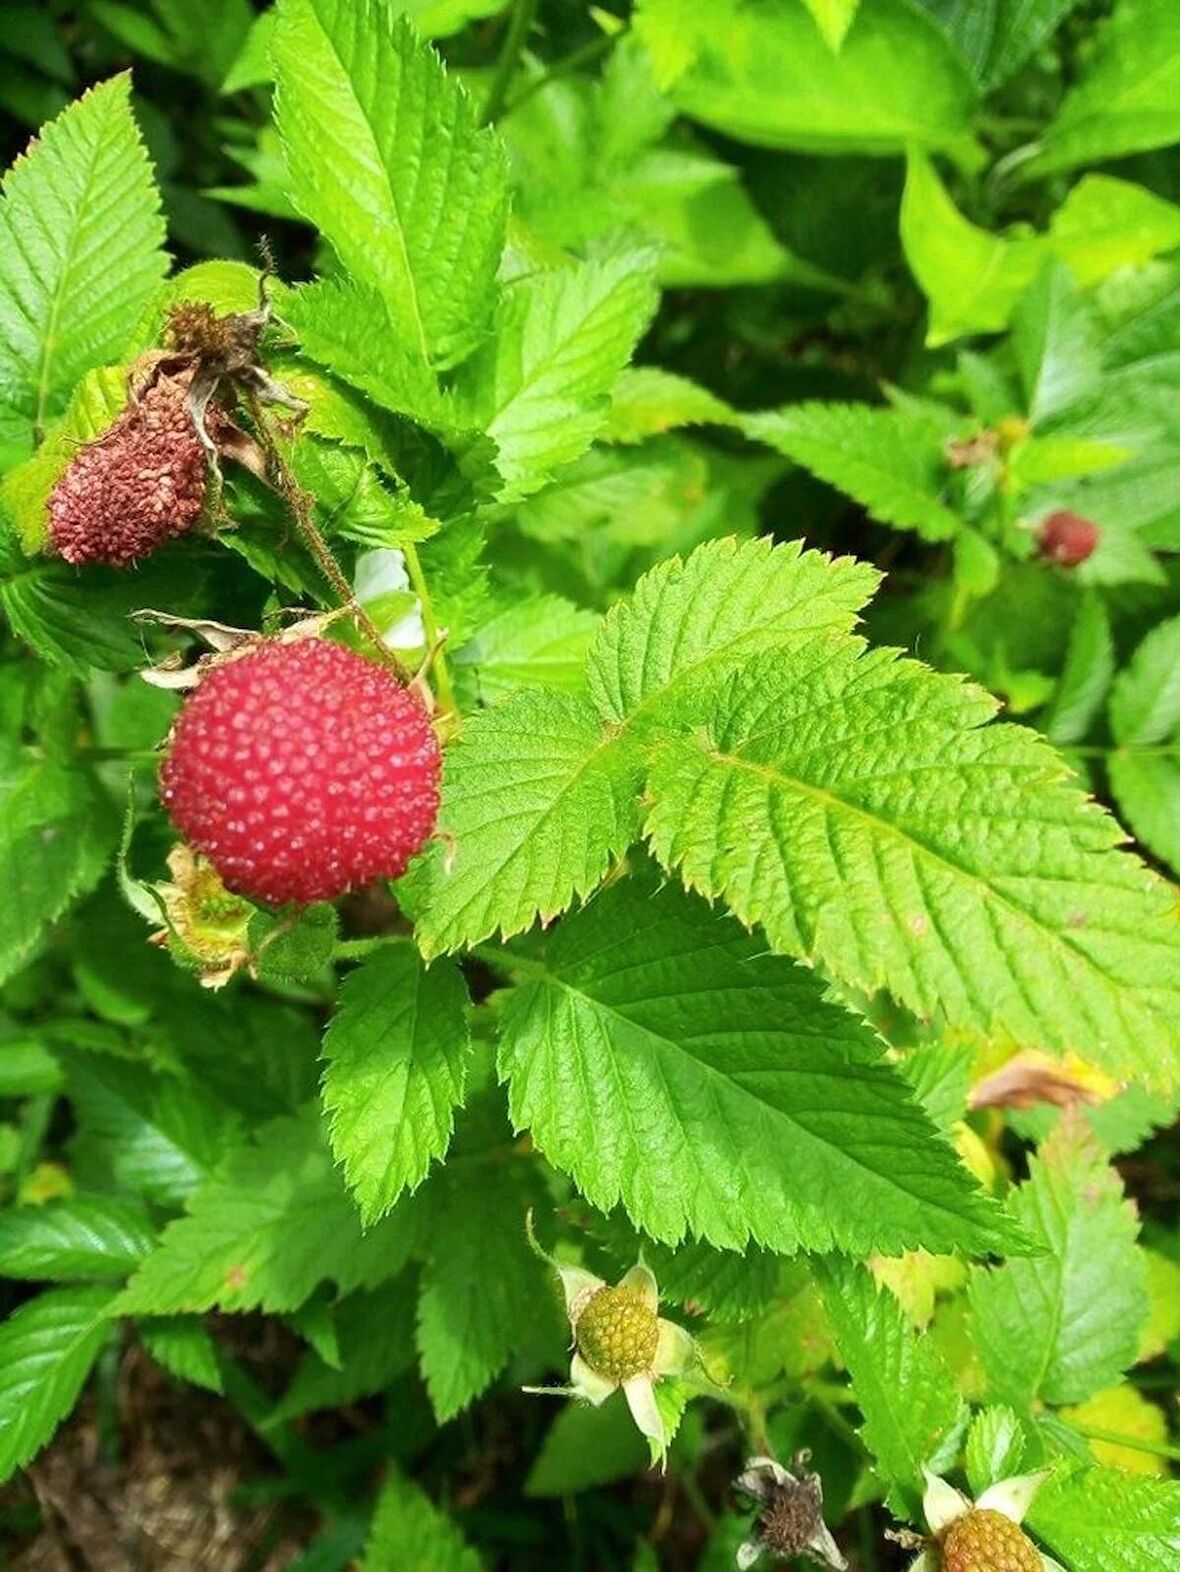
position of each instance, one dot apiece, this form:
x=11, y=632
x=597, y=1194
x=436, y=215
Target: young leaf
x=83, y=1237
x=46, y=1350
x=903, y=1386
x=1061, y=1325
x=273, y=1224
x=396, y=1052
x=1101, y=1520
x=995, y=1448
x=411, y=1534
x=1127, y=98
x=56, y=834
x=537, y=800
x=690, y=623
x=478, y=1285
x=860, y=809
x=661, y=1058
x=647, y=401
x=387, y=160
x=81, y=240
x=539, y=387
x=891, y=460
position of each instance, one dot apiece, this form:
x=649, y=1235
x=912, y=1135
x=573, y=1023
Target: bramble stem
x=434, y=643
x=523, y=13
x=301, y=506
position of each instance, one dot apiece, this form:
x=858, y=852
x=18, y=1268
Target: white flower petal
x=641, y=1280
x=748, y=1552
x=675, y=1349
x=760, y=1477
x=1013, y=1497
x=579, y=1286
x=588, y=1383
x=1049, y=1564
x=641, y=1400
x=942, y=1503
x=825, y=1547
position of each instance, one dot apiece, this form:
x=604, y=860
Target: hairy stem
x=434, y=641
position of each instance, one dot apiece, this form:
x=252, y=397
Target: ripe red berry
x=302, y=771
x=138, y=485
x=1068, y=538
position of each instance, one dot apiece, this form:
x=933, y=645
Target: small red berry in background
x=1068, y=538
x=302, y=771
x=140, y=484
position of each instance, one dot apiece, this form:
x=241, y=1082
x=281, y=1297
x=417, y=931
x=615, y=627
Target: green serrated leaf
x=82, y=254
x=478, y=1284
x=57, y=833
x=661, y=1058
x=903, y=1386
x=274, y=1223
x=539, y=388
x=995, y=1448
x=182, y=1346
x=1086, y=675
x=83, y=1237
x=859, y=807
x=1145, y=699
x=891, y=460
x=691, y=622
x=388, y=161
x=46, y=1350
x=1101, y=1520
x=1126, y=98
x=586, y=1447
x=538, y=643
x=537, y=800
x=766, y=75
x=410, y=1534
x=397, y=1050
x=647, y=401
x=1064, y=1324
x=833, y=18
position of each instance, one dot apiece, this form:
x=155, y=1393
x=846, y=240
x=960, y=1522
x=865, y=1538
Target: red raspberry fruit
x=138, y=485
x=1068, y=538
x=302, y=771
x=986, y=1541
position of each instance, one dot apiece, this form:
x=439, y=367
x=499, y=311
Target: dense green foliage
x=694, y=391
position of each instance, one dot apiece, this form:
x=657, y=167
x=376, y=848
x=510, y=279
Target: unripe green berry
x=986, y=1541
x=617, y=1334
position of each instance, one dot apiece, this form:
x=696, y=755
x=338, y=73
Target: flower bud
x=1068, y=538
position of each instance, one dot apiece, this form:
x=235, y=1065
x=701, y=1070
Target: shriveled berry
x=1068, y=538
x=793, y=1517
x=986, y=1541
x=140, y=484
x=617, y=1333
x=302, y=770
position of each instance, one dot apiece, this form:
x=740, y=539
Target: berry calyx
x=983, y=1540
x=618, y=1333
x=1068, y=538
x=301, y=771
x=139, y=485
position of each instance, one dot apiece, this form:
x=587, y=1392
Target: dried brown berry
x=1068, y=538
x=140, y=484
x=983, y=1540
